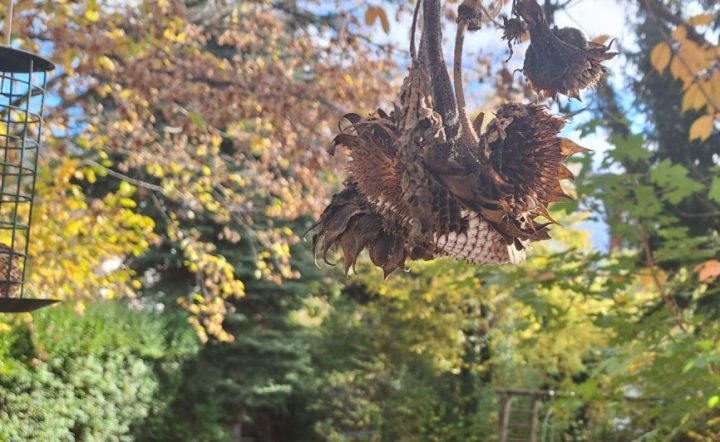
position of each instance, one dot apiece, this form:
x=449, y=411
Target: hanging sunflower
x=424, y=182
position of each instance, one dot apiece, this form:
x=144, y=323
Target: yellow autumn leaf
x=92, y=15
x=621, y=299
x=375, y=12
x=68, y=60
x=106, y=63
x=259, y=145
x=80, y=308
x=701, y=128
x=680, y=33
x=701, y=20
x=660, y=56
x=694, y=56
x=714, y=421
x=715, y=87
x=693, y=98
x=680, y=71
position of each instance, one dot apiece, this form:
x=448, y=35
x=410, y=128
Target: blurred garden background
x=185, y=157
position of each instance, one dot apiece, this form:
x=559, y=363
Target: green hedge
x=91, y=377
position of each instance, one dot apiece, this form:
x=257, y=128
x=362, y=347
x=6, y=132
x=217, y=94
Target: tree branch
x=652, y=267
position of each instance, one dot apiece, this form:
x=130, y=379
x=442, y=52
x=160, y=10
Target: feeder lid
x=18, y=61
x=22, y=305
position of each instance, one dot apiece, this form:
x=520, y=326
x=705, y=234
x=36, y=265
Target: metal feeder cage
x=23, y=78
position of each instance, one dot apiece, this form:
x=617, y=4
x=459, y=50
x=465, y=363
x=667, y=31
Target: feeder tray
x=23, y=77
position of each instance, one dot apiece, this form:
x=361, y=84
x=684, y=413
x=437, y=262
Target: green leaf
x=674, y=180
x=713, y=401
x=715, y=190
x=197, y=120
x=630, y=147
x=705, y=345
x=645, y=204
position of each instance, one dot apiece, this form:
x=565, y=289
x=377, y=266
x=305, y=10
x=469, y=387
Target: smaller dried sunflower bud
x=513, y=30
x=560, y=61
x=471, y=13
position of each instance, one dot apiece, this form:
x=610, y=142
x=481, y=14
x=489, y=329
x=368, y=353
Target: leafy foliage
x=199, y=112
x=694, y=61
x=93, y=377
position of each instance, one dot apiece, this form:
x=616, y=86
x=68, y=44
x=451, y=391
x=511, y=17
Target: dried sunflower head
x=385, y=206
x=560, y=61
x=481, y=206
x=524, y=149
x=505, y=183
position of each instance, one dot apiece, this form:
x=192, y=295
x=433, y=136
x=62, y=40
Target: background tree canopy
x=185, y=157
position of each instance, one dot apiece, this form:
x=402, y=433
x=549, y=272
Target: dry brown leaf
x=374, y=13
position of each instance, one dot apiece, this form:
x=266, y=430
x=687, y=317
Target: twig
x=8, y=22
x=413, y=51
x=652, y=266
x=491, y=17
x=126, y=178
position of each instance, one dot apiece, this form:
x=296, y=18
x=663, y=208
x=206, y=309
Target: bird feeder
x=23, y=77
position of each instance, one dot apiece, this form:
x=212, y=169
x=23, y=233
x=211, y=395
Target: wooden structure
x=525, y=415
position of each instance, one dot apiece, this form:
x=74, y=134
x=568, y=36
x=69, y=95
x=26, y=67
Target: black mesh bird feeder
x=23, y=78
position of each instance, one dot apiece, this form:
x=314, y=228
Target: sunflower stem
x=468, y=134
x=442, y=89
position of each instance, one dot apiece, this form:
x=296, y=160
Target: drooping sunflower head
x=371, y=143
x=351, y=224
